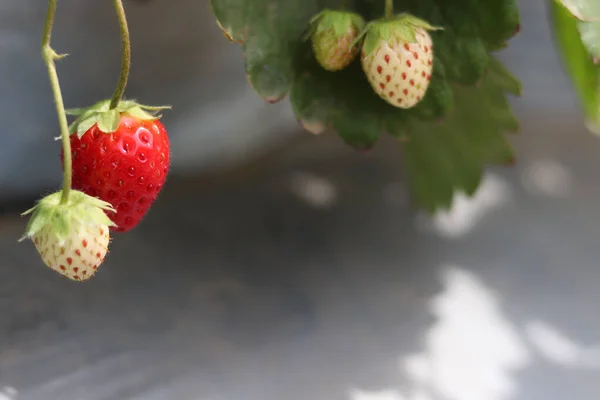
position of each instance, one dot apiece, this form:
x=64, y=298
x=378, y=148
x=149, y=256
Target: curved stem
x=126, y=57
x=389, y=8
x=50, y=56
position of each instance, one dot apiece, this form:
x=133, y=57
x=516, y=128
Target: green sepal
x=107, y=118
x=80, y=210
x=109, y=121
x=338, y=21
x=402, y=26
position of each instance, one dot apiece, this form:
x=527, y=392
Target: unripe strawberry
x=397, y=57
x=72, y=238
x=333, y=35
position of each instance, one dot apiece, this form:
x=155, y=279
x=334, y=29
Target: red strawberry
x=71, y=237
x=397, y=58
x=124, y=162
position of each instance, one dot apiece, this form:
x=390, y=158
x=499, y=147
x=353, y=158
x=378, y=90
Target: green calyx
x=402, y=26
x=334, y=20
x=80, y=210
x=107, y=118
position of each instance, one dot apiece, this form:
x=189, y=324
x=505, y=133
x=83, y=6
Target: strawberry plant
x=460, y=124
x=422, y=71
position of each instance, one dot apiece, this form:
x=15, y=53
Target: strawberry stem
x=389, y=8
x=50, y=56
x=126, y=55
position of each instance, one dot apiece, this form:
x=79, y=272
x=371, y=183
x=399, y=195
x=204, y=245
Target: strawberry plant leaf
x=583, y=10
x=448, y=137
x=579, y=63
x=444, y=158
x=590, y=36
x=587, y=12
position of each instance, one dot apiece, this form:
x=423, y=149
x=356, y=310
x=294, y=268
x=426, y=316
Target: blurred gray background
x=279, y=265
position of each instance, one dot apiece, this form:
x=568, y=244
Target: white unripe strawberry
x=397, y=58
x=72, y=238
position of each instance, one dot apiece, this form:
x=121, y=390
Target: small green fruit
x=333, y=34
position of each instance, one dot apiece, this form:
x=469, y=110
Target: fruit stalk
x=389, y=8
x=126, y=54
x=50, y=56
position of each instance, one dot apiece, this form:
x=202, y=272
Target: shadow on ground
x=310, y=277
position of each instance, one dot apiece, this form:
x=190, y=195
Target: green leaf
x=587, y=12
x=578, y=61
x=583, y=10
x=443, y=158
x=449, y=136
x=590, y=36
x=504, y=78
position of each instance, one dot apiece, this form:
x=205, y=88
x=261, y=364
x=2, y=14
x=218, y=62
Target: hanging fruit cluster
x=396, y=51
x=426, y=76
x=422, y=72
x=115, y=158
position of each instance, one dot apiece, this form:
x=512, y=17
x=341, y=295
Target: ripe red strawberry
x=332, y=34
x=124, y=162
x=397, y=58
x=72, y=238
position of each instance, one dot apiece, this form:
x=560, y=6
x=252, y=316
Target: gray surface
x=310, y=278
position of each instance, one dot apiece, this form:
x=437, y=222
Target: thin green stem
x=50, y=56
x=126, y=57
x=389, y=8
